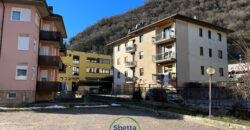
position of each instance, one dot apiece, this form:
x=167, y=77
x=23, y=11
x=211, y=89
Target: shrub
x=137, y=95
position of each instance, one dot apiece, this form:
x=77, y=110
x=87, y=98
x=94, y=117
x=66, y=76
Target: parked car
x=156, y=94
x=174, y=97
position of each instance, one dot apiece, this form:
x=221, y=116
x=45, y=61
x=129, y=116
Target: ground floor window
x=11, y=96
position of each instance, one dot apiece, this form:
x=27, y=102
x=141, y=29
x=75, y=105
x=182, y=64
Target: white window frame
x=25, y=45
x=8, y=97
x=37, y=19
x=33, y=73
x=46, y=27
x=23, y=67
x=35, y=46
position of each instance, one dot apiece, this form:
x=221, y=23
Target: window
x=76, y=59
x=141, y=55
x=126, y=74
x=118, y=75
x=44, y=75
x=200, y=32
x=21, y=14
x=141, y=38
x=221, y=72
x=104, y=61
x=202, y=70
x=11, y=96
x=33, y=73
x=201, y=51
x=209, y=34
x=118, y=61
x=21, y=72
x=34, y=48
x=126, y=59
x=133, y=42
x=126, y=44
x=23, y=43
x=167, y=32
x=46, y=27
x=141, y=71
x=16, y=16
x=37, y=19
x=210, y=52
x=118, y=48
x=44, y=51
x=75, y=71
x=219, y=36
x=220, y=54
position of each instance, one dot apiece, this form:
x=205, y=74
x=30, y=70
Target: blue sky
x=79, y=14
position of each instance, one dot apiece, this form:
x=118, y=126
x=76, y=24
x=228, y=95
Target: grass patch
x=194, y=113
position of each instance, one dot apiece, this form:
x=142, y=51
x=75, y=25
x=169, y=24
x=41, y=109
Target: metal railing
x=131, y=48
x=131, y=64
x=164, y=57
x=130, y=79
x=51, y=36
x=160, y=77
x=162, y=36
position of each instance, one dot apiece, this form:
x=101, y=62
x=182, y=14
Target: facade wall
x=11, y=56
x=83, y=65
x=195, y=61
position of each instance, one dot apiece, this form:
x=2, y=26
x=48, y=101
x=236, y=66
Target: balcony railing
x=167, y=56
x=130, y=64
x=131, y=48
x=50, y=36
x=63, y=51
x=62, y=68
x=164, y=77
x=130, y=80
x=162, y=37
x=50, y=61
x=47, y=86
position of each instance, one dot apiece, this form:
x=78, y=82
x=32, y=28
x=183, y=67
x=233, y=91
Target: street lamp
x=210, y=72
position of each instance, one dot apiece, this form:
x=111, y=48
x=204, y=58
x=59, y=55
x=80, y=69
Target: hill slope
x=232, y=14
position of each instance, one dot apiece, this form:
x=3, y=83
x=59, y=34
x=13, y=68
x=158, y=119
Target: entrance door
x=44, y=75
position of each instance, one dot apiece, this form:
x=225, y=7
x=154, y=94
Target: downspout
x=1, y=37
x=38, y=45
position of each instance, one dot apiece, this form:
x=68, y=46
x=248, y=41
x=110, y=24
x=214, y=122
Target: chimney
x=51, y=9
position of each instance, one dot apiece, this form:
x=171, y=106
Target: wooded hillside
x=231, y=14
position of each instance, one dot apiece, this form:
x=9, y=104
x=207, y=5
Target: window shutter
x=44, y=51
x=46, y=27
x=25, y=15
x=23, y=43
x=37, y=19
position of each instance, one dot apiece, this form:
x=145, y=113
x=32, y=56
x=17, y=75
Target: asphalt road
x=89, y=119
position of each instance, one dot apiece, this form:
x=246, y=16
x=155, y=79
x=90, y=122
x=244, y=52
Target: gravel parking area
x=89, y=119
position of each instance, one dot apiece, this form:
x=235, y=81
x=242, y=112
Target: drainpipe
x=38, y=45
x=1, y=37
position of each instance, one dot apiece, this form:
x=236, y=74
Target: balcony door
x=44, y=75
x=46, y=27
x=44, y=51
x=167, y=32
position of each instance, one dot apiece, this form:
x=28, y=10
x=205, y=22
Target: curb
x=215, y=123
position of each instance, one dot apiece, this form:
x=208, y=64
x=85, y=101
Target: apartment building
x=169, y=53
x=83, y=67
x=31, y=35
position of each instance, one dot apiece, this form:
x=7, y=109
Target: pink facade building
x=30, y=40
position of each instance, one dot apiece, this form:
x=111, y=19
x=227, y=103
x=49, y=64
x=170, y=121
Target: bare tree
x=243, y=90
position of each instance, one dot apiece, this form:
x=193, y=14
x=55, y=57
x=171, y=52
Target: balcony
x=47, y=86
x=62, y=68
x=63, y=51
x=50, y=61
x=163, y=38
x=167, y=56
x=131, y=48
x=162, y=77
x=130, y=80
x=130, y=64
x=52, y=37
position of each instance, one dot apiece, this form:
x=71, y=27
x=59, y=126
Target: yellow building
x=82, y=66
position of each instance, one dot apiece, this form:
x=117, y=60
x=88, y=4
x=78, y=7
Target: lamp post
x=210, y=72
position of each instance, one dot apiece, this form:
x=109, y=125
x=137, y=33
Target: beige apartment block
x=170, y=53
